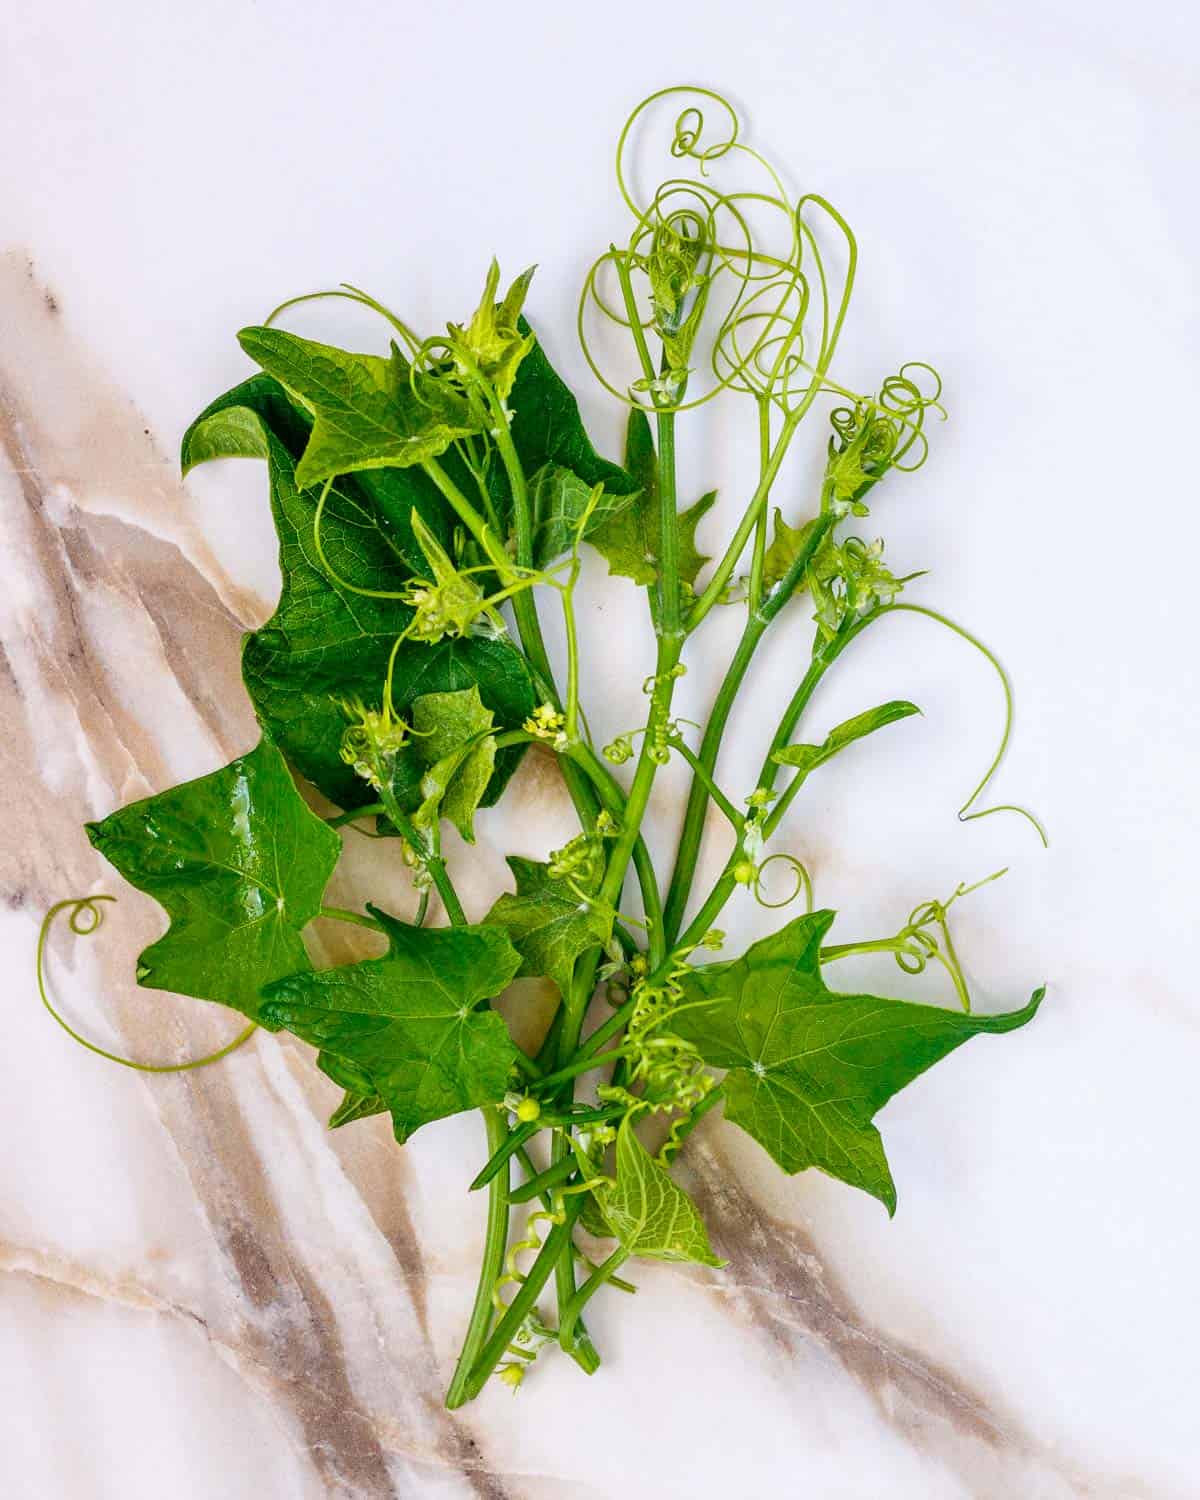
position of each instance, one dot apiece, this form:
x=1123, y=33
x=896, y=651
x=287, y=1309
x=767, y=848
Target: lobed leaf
x=631, y=540
x=809, y=1068
x=408, y=1028
x=549, y=922
x=368, y=412
x=239, y=863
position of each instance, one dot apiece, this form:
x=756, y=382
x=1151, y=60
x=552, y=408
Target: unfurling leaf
x=368, y=412
x=493, y=341
x=550, y=921
x=807, y=758
x=647, y=1211
x=809, y=1068
x=408, y=1027
x=239, y=863
x=452, y=738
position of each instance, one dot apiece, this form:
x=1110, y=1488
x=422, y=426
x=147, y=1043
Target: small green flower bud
x=745, y=872
x=528, y=1110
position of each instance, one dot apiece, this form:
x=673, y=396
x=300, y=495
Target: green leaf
x=453, y=741
x=786, y=546
x=356, y=1107
x=808, y=1068
x=559, y=500
x=325, y=644
x=409, y=1024
x=239, y=863
x=367, y=413
x=360, y=1100
x=548, y=922
x=807, y=758
x=492, y=338
x=631, y=540
x=647, y=1212
x=547, y=429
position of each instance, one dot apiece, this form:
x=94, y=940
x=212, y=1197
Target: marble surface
x=205, y=1293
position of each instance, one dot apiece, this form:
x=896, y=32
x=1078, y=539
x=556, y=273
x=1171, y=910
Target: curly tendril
x=965, y=812
x=741, y=264
x=87, y=916
x=803, y=883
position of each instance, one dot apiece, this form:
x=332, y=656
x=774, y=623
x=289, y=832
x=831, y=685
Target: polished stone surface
x=208, y=1294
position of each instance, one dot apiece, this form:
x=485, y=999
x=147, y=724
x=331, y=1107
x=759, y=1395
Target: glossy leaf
x=631, y=540
x=239, y=863
x=809, y=1068
x=325, y=643
x=366, y=412
x=409, y=1025
x=647, y=1211
x=806, y=758
x=548, y=922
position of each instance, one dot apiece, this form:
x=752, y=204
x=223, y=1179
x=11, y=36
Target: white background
x=1022, y=181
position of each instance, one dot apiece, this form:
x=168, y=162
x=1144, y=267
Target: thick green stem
x=668, y=521
x=756, y=627
x=494, y=1245
x=697, y=803
x=556, y=1243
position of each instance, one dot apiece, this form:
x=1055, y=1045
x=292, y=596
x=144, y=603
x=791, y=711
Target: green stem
x=339, y=820
x=494, y=1245
x=758, y=555
x=471, y=519
x=558, y=1172
x=668, y=521
x=693, y=820
x=758, y=502
x=340, y=914
x=573, y=1070
x=556, y=1242
x=602, y=1273
x=509, y=1144
x=710, y=746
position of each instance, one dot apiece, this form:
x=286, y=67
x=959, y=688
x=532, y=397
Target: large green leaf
x=806, y=758
x=325, y=643
x=548, y=921
x=647, y=1212
x=408, y=1027
x=809, y=1068
x=367, y=411
x=239, y=863
x=631, y=540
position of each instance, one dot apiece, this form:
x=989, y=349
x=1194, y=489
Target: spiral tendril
x=87, y=916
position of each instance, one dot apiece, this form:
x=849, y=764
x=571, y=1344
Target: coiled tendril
x=87, y=916
x=741, y=265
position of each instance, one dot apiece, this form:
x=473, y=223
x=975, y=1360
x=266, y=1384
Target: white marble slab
x=208, y=1294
